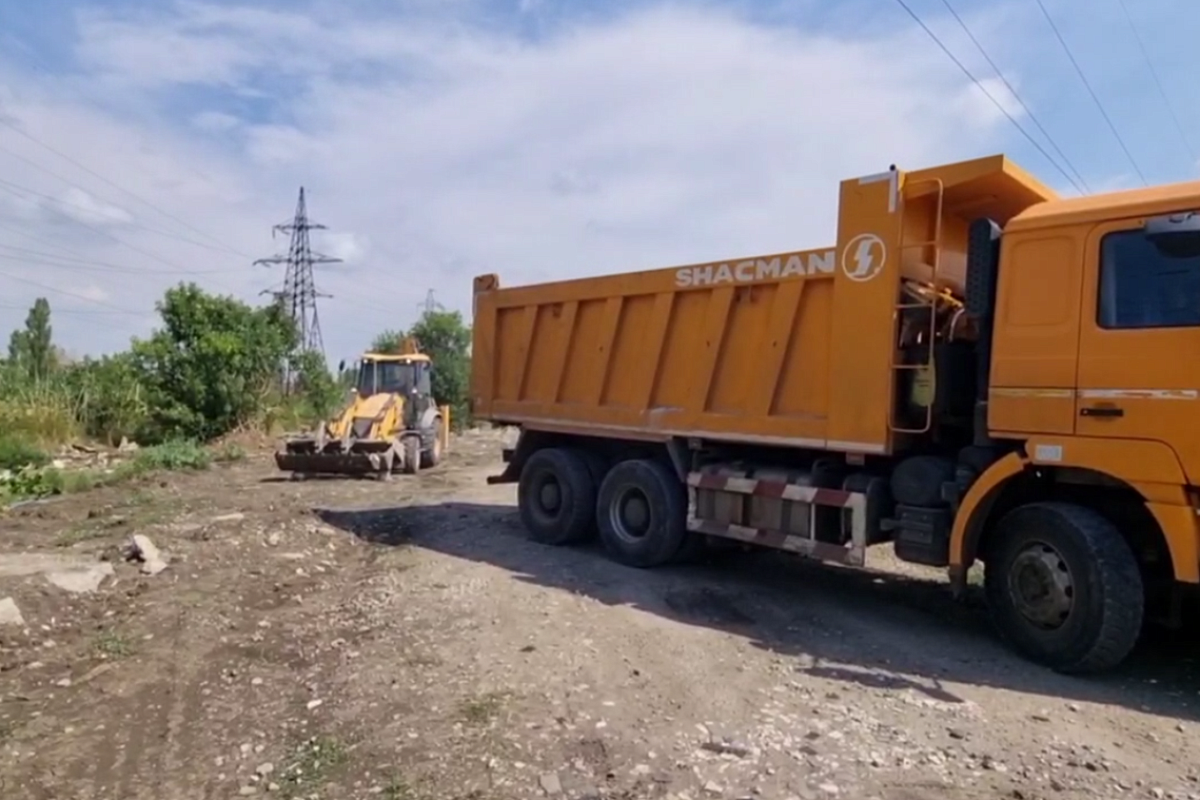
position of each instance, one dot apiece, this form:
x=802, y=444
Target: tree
x=387, y=342
x=210, y=367
x=447, y=340
x=315, y=386
x=32, y=350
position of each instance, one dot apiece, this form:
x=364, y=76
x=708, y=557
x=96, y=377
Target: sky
x=148, y=142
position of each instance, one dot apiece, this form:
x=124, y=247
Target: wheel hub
x=550, y=496
x=1041, y=586
x=631, y=515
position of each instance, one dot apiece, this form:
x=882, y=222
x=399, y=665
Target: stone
x=10, y=614
x=726, y=748
x=143, y=550
x=551, y=784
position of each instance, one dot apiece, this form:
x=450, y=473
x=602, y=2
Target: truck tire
x=597, y=464
x=641, y=512
x=556, y=497
x=1063, y=587
x=917, y=481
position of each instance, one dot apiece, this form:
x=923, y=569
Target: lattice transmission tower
x=299, y=294
x=430, y=304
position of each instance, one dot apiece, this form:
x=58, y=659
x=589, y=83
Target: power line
x=105, y=180
x=129, y=223
x=1016, y=96
x=224, y=247
x=1095, y=98
x=4, y=186
x=1187, y=144
x=56, y=290
x=116, y=239
x=989, y=95
x=87, y=311
x=25, y=254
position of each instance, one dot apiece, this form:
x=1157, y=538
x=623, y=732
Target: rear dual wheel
x=556, y=495
x=639, y=506
x=641, y=511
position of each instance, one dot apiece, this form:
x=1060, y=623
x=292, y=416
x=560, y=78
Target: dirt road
x=353, y=639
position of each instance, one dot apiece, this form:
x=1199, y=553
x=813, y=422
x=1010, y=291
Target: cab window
x=1141, y=286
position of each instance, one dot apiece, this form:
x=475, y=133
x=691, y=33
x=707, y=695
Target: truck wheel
x=597, y=464
x=556, y=497
x=641, y=512
x=412, y=455
x=1064, y=588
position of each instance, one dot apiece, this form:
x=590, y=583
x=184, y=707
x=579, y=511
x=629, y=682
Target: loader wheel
x=412, y=454
x=641, y=512
x=556, y=497
x=433, y=456
x=1064, y=588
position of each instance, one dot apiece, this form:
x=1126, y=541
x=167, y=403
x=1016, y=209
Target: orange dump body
x=791, y=349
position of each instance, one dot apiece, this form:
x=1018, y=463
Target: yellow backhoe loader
x=392, y=422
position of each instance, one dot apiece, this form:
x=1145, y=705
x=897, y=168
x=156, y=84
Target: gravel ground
x=355, y=639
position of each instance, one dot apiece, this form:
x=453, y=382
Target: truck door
x=1139, y=344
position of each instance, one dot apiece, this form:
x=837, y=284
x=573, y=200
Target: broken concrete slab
x=81, y=580
x=143, y=550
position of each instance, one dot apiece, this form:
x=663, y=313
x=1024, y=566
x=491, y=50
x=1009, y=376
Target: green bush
x=174, y=456
x=447, y=339
x=17, y=452
x=210, y=367
x=228, y=452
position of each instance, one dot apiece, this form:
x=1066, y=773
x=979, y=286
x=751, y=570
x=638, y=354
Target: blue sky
x=538, y=139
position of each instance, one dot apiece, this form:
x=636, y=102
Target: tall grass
x=42, y=412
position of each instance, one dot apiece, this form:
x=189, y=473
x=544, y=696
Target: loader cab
x=388, y=374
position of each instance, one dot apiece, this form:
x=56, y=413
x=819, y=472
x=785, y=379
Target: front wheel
x=412, y=455
x=1064, y=587
x=433, y=456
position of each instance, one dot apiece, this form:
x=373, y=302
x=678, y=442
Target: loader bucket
x=338, y=457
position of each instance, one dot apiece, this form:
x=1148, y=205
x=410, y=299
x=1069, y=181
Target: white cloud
x=83, y=207
x=435, y=150
x=347, y=246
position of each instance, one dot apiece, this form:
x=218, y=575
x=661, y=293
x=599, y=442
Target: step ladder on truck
x=978, y=372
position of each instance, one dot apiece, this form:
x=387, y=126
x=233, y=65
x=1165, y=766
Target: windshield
x=386, y=376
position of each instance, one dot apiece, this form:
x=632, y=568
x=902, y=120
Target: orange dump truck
x=977, y=370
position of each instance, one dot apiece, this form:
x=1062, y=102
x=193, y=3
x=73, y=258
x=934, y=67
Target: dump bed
x=790, y=349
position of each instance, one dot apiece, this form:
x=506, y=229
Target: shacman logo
x=863, y=257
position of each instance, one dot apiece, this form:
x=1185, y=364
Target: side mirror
x=1175, y=235
x=341, y=366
